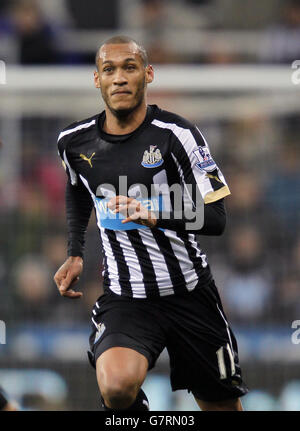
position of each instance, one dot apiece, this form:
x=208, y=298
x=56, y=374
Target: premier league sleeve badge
x=205, y=161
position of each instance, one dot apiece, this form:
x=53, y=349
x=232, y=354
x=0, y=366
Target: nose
x=119, y=78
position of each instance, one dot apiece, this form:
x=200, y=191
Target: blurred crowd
x=39, y=32
x=256, y=263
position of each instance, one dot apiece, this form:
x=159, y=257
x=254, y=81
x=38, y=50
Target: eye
x=130, y=67
x=107, y=69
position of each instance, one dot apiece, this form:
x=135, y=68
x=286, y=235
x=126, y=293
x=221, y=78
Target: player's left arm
x=196, y=166
x=202, y=180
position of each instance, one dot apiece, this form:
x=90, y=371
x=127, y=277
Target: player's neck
x=121, y=126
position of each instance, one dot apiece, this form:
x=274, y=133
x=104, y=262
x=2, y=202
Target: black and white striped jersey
x=164, y=150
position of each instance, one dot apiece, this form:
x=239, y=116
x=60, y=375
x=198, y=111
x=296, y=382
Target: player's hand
x=133, y=210
x=68, y=275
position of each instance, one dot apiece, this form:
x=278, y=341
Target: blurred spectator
x=283, y=188
x=287, y=298
x=56, y=11
x=246, y=205
x=288, y=287
x=250, y=142
x=246, y=195
x=94, y=14
x=22, y=228
x=3, y=5
x=52, y=180
x=221, y=53
x=281, y=44
x=54, y=249
x=154, y=15
x=295, y=258
x=32, y=288
x=246, y=286
x=157, y=18
x=34, y=35
x=159, y=53
x=230, y=14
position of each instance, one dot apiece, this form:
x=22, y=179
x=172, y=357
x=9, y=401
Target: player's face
x=122, y=77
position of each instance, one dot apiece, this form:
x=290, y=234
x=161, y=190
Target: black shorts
x=193, y=327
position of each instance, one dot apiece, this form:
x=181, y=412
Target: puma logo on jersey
x=88, y=159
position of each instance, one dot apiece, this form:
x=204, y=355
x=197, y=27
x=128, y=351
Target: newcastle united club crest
x=152, y=158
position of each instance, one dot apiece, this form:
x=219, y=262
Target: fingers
x=132, y=210
x=64, y=285
x=65, y=288
x=124, y=205
x=117, y=201
x=68, y=275
x=142, y=216
x=72, y=294
x=133, y=217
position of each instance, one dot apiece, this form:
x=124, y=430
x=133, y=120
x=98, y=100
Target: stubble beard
x=123, y=113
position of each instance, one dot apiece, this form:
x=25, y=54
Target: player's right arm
x=78, y=210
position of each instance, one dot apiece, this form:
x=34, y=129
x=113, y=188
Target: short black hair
x=123, y=39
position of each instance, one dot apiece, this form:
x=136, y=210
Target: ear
x=96, y=79
x=149, y=74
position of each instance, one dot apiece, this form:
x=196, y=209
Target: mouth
x=120, y=92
